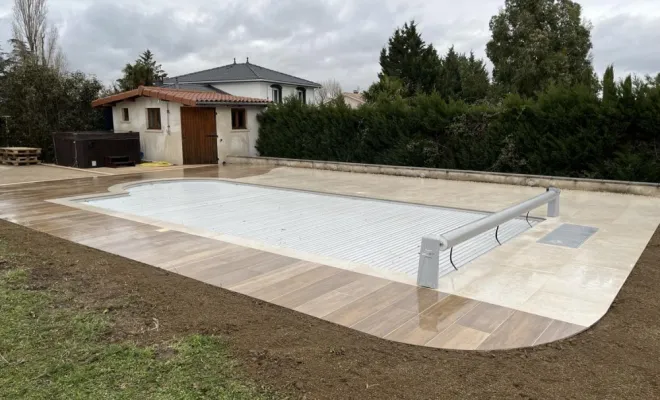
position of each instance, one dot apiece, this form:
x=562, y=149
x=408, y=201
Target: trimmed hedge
x=564, y=132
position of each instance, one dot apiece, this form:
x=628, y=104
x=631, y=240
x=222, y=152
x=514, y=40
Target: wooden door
x=199, y=135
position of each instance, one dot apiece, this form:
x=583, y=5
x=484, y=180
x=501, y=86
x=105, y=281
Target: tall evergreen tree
x=536, y=43
x=144, y=72
x=475, y=83
x=609, y=86
x=463, y=77
x=450, y=82
x=385, y=89
x=626, y=93
x=408, y=59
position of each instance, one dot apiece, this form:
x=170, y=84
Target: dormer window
x=276, y=93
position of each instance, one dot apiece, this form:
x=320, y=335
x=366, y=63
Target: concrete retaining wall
x=593, y=185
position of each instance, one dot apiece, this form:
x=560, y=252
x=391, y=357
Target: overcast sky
x=312, y=39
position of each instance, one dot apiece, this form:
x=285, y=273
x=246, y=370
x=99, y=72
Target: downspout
x=168, y=118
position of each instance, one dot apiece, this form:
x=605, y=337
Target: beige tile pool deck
x=520, y=294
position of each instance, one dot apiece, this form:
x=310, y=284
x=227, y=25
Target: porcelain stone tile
x=558, y=330
x=325, y=304
x=518, y=330
x=384, y=321
x=222, y=256
x=485, y=317
x=571, y=290
x=376, y=301
x=316, y=289
x=586, y=282
x=459, y=337
x=603, y=257
x=425, y=326
x=363, y=286
x=212, y=267
x=232, y=278
x=300, y=281
x=563, y=308
x=540, y=257
x=420, y=300
x=509, y=287
x=273, y=277
x=456, y=281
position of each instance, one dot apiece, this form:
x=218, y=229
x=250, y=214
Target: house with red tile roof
x=205, y=116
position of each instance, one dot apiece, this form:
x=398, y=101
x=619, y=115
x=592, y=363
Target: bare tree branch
x=329, y=90
x=39, y=39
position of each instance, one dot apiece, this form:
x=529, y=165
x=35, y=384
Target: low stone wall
x=593, y=185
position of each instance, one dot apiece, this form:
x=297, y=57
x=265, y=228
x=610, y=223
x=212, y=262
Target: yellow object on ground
x=156, y=164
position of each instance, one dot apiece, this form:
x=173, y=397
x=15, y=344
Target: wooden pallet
x=19, y=155
x=27, y=161
x=20, y=151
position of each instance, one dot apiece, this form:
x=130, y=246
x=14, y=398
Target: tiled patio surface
x=520, y=294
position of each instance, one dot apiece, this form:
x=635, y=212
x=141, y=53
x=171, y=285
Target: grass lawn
x=51, y=349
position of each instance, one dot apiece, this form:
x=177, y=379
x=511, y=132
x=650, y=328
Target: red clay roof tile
x=184, y=96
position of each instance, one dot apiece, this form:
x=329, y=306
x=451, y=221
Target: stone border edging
x=591, y=185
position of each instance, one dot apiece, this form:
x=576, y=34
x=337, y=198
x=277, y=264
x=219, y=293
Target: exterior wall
x=262, y=90
x=311, y=95
x=166, y=144
x=156, y=145
x=237, y=142
x=288, y=91
x=247, y=89
x=351, y=102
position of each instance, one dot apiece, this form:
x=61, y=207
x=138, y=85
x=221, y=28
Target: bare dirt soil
x=303, y=357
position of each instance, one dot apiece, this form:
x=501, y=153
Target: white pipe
x=429, y=254
x=466, y=232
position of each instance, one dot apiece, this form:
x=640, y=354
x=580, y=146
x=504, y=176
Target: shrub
x=565, y=131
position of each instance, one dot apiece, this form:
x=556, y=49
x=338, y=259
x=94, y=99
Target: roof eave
x=231, y=103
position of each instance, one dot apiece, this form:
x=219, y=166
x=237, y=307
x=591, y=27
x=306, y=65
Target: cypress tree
x=609, y=86
x=408, y=59
x=450, y=75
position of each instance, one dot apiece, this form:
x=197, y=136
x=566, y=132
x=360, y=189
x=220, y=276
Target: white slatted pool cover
x=382, y=234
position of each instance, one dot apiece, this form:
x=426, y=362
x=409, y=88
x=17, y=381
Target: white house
x=185, y=126
x=203, y=117
x=249, y=80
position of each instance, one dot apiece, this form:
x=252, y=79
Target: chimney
x=234, y=60
x=248, y=60
x=176, y=82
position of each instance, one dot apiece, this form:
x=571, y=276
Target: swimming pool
x=383, y=235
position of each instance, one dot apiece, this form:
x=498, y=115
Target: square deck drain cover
x=568, y=235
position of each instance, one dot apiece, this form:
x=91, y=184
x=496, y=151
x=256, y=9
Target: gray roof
x=192, y=86
x=240, y=73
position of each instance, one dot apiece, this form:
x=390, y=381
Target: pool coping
x=650, y=189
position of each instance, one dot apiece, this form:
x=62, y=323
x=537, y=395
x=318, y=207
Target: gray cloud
x=316, y=40
x=629, y=42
